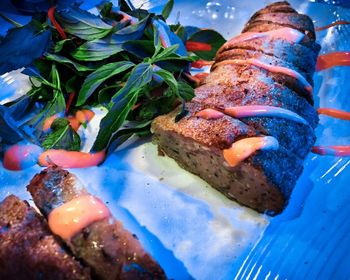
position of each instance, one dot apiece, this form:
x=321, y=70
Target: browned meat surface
x=111, y=251
x=265, y=179
x=27, y=248
x=275, y=16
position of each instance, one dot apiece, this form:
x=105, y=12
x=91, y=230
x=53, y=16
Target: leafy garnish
x=99, y=76
x=186, y=92
x=22, y=45
x=123, y=135
x=55, y=105
x=122, y=103
x=131, y=32
x=167, y=9
x=65, y=60
x=97, y=50
x=128, y=60
x=60, y=45
x=62, y=137
x=83, y=24
x=114, y=120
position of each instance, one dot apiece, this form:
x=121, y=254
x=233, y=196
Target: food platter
x=195, y=232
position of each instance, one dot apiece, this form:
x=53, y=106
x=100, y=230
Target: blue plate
x=194, y=231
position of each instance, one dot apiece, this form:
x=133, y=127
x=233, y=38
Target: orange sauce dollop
x=71, y=159
x=243, y=148
x=70, y=218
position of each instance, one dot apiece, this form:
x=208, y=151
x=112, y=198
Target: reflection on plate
x=191, y=229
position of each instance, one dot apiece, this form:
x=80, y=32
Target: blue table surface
x=311, y=239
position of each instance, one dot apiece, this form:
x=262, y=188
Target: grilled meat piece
x=110, y=250
x=28, y=250
x=270, y=64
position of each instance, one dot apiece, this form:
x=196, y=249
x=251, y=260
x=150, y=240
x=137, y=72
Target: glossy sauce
x=210, y=114
x=252, y=111
x=333, y=150
x=339, y=151
x=288, y=34
x=71, y=159
x=333, y=59
x=72, y=217
x=21, y=156
x=339, y=114
x=339, y=22
x=263, y=111
x=243, y=148
x=273, y=69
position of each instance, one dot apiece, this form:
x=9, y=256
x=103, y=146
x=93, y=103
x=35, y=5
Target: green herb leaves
x=22, y=45
x=97, y=50
x=83, y=24
x=62, y=137
x=122, y=103
x=167, y=9
x=67, y=61
x=96, y=78
x=125, y=59
x=54, y=106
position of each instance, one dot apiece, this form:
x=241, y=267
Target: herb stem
x=51, y=15
x=69, y=102
x=15, y=23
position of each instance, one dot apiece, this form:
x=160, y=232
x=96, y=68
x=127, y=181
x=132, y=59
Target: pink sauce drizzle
x=333, y=59
x=243, y=148
x=339, y=22
x=21, y=156
x=209, y=114
x=71, y=159
x=340, y=151
x=70, y=218
x=333, y=150
x=262, y=110
x=252, y=111
x=274, y=69
x=289, y=34
x=339, y=114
